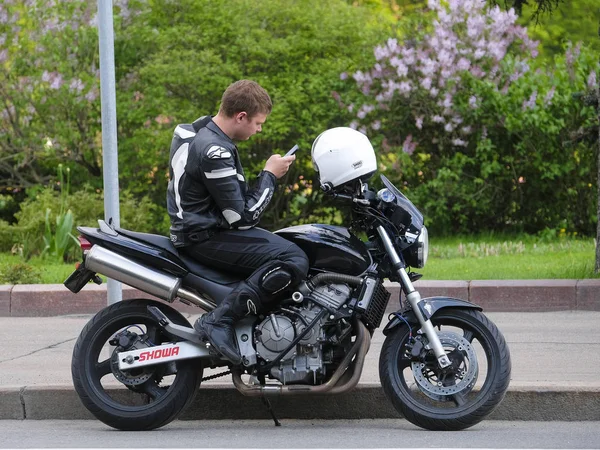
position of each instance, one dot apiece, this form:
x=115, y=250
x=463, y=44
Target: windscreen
x=406, y=205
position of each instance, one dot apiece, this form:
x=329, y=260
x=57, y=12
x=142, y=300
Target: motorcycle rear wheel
x=455, y=399
x=143, y=399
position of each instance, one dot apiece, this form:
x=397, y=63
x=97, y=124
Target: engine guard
x=429, y=306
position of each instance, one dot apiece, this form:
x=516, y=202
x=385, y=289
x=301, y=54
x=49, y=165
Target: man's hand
x=279, y=165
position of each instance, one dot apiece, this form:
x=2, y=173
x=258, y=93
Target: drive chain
x=212, y=377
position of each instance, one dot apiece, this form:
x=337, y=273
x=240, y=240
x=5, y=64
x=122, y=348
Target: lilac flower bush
x=427, y=78
x=50, y=116
x=474, y=128
x=49, y=86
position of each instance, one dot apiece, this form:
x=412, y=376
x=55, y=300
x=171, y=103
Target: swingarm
x=159, y=354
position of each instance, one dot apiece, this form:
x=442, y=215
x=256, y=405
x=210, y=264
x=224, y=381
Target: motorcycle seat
x=193, y=266
x=156, y=240
x=210, y=273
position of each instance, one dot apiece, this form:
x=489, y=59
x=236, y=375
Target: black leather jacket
x=207, y=188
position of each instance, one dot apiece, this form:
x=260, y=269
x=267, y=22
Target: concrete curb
x=42, y=300
x=367, y=401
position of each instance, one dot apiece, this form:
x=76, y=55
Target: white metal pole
x=109, y=128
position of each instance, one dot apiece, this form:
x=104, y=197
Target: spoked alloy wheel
x=139, y=399
x=456, y=397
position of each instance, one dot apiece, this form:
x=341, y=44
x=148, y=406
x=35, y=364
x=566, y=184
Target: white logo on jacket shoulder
x=216, y=152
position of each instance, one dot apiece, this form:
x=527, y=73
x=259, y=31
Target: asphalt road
x=387, y=433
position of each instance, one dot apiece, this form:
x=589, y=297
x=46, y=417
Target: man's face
x=248, y=126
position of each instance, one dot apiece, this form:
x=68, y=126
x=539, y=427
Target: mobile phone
x=292, y=151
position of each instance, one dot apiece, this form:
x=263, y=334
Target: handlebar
x=352, y=198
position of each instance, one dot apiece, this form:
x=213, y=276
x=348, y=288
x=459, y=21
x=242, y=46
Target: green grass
x=44, y=271
x=494, y=257
x=486, y=257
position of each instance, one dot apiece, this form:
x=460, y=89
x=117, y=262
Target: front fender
x=429, y=307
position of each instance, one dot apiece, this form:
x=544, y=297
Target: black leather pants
x=244, y=251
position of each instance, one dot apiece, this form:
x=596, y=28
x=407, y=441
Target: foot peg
x=185, y=333
x=163, y=320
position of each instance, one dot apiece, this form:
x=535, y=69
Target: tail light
x=84, y=244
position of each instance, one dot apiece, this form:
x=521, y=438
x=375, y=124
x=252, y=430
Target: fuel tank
x=330, y=248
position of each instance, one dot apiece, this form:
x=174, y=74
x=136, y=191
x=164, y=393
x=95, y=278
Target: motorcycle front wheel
x=456, y=397
x=141, y=399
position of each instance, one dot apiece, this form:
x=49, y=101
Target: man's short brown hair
x=245, y=96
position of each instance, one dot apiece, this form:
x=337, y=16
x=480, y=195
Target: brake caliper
x=126, y=340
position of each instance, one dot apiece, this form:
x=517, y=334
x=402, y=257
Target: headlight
x=416, y=254
x=423, y=247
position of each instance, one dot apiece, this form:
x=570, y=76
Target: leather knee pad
x=275, y=280
x=271, y=279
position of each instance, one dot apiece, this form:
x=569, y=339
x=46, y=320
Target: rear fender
x=146, y=253
x=429, y=307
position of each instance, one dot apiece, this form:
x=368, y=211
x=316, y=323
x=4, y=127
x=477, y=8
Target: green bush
x=295, y=49
x=522, y=169
x=7, y=237
x=575, y=22
x=19, y=273
x=479, y=133
x=8, y=206
x=34, y=231
x=172, y=68
x=50, y=111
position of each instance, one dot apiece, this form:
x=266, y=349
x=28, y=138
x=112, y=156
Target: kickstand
x=267, y=403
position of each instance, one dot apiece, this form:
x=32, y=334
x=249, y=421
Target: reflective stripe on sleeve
x=220, y=173
x=178, y=164
x=261, y=200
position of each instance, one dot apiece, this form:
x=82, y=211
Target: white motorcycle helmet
x=341, y=155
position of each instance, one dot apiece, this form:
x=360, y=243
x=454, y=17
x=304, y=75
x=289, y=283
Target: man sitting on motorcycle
x=214, y=212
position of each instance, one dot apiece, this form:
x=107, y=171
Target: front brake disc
x=465, y=375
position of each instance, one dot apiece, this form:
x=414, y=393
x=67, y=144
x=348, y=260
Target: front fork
x=414, y=299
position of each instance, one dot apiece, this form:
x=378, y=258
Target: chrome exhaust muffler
x=118, y=267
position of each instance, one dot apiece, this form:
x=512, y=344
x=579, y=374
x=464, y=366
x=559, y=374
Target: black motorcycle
x=444, y=365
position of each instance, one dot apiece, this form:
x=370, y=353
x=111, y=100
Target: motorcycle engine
x=304, y=363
